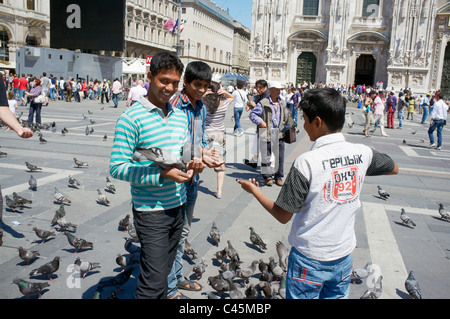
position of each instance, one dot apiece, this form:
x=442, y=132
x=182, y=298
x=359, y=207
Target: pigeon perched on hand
x=43, y=234
x=78, y=243
x=405, y=219
x=47, y=269
x=412, y=286
x=85, y=266
x=101, y=198
x=214, y=233
x=383, y=194
x=256, y=239
x=444, y=215
x=29, y=289
x=28, y=255
x=60, y=198
x=32, y=168
x=80, y=163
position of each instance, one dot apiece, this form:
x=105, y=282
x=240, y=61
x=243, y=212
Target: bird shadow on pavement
x=402, y=224
x=250, y=245
x=12, y=232
x=402, y=294
x=379, y=197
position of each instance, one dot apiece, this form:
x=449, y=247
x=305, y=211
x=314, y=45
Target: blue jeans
x=237, y=120
x=115, y=98
x=439, y=125
x=312, y=279
x=400, y=119
x=62, y=95
x=176, y=273
x=425, y=113
x=16, y=94
x=294, y=112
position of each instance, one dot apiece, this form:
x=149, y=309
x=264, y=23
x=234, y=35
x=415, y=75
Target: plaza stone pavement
x=393, y=248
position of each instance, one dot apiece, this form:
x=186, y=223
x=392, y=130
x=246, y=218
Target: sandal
x=179, y=296
x=187, y=284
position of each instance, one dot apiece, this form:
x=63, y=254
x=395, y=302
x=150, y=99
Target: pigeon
x=91, y=131
x=74, y=182
x=109, y=186
x=61, y=212
x=124, y=223
x=60, y=198
x=32, y=168
x=33, y=183
x=78, y=243
x=375, y=291
x=383, y=194
x=228, y=274
x=404, y=141
x=266, y=288
x=361, y=273
x=89, y=112
x=64, y=224
x=43, y=234
x=130, y=247
x=84, y=116
x=214, y=233
x=12, y=204
x=283, y=255
x=234, y=292
x=161, y=157
x=80, y=163
x=262, y=266
x=444, y=215
x=266, y=275
x=105, y=137
x=405, y=219
x=256, y=239
x=21, y=200
x=101, y=198
x=47, y=269
x=251, y=292
x=92, y=122
x=414, y=132
x=29, y=289
x=3, y=154
x=412, y=287
x=199, y=269
x=28, y=255
x=85, y=266
x=189, y=250
x=231, y=252
x=248, y=272
x=42, y=140
x=218, y=284
x=221, y=255
x=117, y=281
x=274, y=268
x=86, y=130
x=125, y=261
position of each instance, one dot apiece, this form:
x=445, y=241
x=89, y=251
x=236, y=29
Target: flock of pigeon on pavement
x=231, y=276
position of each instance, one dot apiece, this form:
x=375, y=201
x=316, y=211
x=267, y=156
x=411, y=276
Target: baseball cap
x=275, y=85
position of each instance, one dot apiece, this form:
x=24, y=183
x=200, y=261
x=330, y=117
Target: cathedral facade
x=397, y=43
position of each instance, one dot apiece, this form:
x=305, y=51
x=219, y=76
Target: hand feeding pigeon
x=80, y=163
x=60, y=198
x=383, y=194
x=78, y=243
x=28, y=255
x=444, y=215
x=29, y=289
x=214, y=233
x=85, y=266
x=256, y=239
x=43, y=234
x=161, y=157
x=47, y=269
x=412, y=286
x=405, y=219
x=101, y=198
x=33, y=168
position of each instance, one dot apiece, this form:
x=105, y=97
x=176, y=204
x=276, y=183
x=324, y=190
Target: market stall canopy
x=134, y=66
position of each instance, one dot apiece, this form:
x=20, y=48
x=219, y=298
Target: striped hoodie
x=144, y=126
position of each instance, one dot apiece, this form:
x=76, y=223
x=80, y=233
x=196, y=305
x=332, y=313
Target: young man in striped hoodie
x=158, y=195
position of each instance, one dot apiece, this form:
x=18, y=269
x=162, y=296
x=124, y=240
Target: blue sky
x=240, y=10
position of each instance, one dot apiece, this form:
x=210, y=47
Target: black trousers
x=159, y=233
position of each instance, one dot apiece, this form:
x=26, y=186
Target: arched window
x=4, y=39
x=310, y=7
x=371, y=8
x=31, y=40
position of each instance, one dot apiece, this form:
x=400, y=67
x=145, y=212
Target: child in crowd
x=322, y=191
x=12, y=103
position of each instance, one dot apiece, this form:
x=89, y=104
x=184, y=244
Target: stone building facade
x=398, y=43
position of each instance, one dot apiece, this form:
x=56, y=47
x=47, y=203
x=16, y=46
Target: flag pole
x=179, y=29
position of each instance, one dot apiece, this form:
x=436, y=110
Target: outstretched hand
x=249, y=186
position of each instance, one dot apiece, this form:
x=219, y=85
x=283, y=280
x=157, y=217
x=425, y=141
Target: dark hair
x=328, y=104
x=198, y=70
x=240, y=84
x=440, y=96
x=212, y=100
x=263, y=83
x=165, y=60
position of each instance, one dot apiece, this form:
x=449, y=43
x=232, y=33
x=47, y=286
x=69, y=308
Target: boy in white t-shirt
x=322, y=193
x=12, y=103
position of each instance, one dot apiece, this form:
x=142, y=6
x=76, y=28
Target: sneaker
x=432, y=145
x=438, y=148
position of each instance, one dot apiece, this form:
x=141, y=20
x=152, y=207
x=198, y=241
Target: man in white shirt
x=438, y=120
x=116, y=90
x=136, y=92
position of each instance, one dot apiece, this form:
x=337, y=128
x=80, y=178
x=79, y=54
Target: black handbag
x=290, y=136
